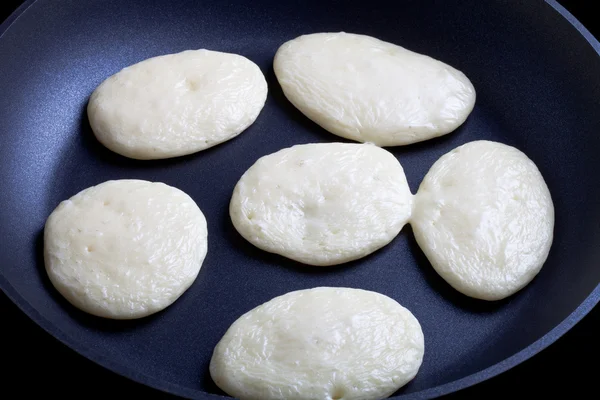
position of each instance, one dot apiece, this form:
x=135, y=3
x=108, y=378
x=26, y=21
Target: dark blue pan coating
x=537, y=75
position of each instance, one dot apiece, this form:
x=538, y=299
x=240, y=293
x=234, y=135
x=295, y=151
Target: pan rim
x=168, y=387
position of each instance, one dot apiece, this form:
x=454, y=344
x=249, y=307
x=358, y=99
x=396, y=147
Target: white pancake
x=322, y=343
x=484, y=218
x=368, y=90
x=322, y=204
x=177, y=104
x=125, y=249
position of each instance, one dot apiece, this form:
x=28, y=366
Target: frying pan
x=537, y=75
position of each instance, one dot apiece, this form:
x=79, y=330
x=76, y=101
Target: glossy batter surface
x=484, y=218
x=125, y=249
x=322, y=204
x=323, y=343
x=368, y=90
x=177, y=104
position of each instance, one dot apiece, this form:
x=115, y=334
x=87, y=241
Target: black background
x=35, y=364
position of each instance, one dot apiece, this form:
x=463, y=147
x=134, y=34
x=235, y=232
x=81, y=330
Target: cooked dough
x=484, y=218
x=125, y=249
x=322, y=204
x=367, y=90
x=323, y=343
x=177, y=104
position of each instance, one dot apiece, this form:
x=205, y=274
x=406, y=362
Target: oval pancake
x=321, y=343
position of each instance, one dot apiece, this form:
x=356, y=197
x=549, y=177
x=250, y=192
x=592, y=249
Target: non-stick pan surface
x=537, y=76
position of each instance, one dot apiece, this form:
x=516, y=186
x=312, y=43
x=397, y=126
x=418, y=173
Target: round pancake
x=125, y=249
